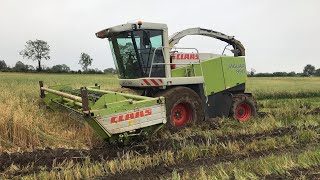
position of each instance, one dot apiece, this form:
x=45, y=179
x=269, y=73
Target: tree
x=20, y=67
x=98, y=71
x=109, y=71
x=60, y=68
x=309, y=70
x=279, y=74
x=65, y=68
x=252, y=72
x=317, y=72
x=85, y=61
x=36, y=51
x=3, y=65
x=292, y=74
x=30, y=67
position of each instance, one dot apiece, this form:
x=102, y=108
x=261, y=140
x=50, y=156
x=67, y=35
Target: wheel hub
x=243, y=112
x=178, y=114
x=181, y=114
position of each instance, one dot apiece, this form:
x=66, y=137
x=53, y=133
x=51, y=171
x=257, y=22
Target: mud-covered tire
x=183, y=106
x=243, y=107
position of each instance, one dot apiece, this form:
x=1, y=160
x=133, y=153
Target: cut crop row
x=47, y=156
x=223, y=152
x=270, y=166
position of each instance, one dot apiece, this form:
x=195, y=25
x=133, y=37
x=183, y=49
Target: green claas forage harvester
x=178, y=86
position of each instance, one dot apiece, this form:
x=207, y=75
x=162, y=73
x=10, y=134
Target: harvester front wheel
x=243, y=108
x=183, y=106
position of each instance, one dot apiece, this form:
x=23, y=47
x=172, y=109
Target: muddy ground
x=46, y=157
x=314, y=111
x=306, y=173
x=166, y=171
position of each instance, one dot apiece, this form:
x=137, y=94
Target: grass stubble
x=229, y=150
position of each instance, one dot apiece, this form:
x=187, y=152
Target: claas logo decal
x=185, y=56
x=132, y=115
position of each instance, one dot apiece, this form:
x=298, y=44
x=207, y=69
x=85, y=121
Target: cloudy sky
x=279, y=35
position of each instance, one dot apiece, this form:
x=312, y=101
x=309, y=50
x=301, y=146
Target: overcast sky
x=279, y=35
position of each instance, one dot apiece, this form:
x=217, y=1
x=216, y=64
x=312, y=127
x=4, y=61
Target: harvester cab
x=178, y=88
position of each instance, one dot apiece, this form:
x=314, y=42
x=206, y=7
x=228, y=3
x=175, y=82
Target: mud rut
x=46, y=157
x=166, y=171
x=310, y=173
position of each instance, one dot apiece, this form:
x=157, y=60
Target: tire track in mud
x=165, y=171
x=246, y=138
x=315, y=111
x=309, y=173
x=46, y=157
x=286, y=95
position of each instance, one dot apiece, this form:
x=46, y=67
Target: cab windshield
x=133, y=51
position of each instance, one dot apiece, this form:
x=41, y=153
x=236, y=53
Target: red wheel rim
x=181, y=114
x=243, y=112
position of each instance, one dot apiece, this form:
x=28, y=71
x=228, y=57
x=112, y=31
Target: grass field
x=39, y=144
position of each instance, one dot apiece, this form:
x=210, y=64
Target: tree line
x=39, y=50
x=308, y=70
x=59, y=68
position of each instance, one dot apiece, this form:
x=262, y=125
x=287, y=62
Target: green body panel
x=213, y=76
x=98, y=128
x=186, y=71
x=107, y=99
x=234, y=71
x=124, y=108
x=219, y=73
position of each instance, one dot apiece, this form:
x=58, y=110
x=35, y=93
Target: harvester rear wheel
x=183, y=106
x=243, y=107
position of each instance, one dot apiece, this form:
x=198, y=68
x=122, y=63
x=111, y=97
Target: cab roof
x=109, y=32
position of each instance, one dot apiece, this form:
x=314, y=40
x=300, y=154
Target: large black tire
x=243, y=107
x=183, y=106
